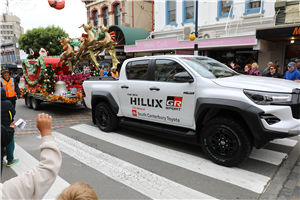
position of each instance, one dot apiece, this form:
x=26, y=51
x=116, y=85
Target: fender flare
x=107, y=96
x=250, y=113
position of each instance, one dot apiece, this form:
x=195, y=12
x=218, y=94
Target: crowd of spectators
x=272, y=70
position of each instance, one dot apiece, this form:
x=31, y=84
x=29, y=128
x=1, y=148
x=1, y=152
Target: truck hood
x=258, y=83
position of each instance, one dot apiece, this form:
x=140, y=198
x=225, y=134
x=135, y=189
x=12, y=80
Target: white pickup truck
x=225, y=112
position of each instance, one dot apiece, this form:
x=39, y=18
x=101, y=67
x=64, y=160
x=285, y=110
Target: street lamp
x=194, y=35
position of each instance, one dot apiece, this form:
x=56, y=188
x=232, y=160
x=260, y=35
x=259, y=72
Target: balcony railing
x=241, y=11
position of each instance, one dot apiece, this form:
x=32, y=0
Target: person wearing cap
x=11, y=86
x=114, y=72
x=292, y=73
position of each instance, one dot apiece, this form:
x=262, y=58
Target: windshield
x=208, y=67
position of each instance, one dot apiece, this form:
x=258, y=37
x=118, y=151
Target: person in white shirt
x=35, y=183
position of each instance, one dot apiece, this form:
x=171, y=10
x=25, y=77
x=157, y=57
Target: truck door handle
x=154, y=88
x=124, y=86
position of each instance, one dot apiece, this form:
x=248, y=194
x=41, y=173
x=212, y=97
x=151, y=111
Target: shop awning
x=279, y=34
x=128, y=35
x=9, y=66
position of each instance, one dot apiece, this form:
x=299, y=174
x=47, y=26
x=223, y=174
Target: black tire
x=225, y=141
x=105, y=118
x=36, y=103
x=28, y=102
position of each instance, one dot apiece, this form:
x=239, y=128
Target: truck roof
x=167, y=56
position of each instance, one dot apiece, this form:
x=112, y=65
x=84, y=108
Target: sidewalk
x=285, y=185
x=291, y=188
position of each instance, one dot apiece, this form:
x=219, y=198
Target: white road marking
x=27, y=162
x=239, y=177
x=268, y=156
x=285, y=142
x=147, y=183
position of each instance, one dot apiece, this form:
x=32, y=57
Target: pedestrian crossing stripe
x=239, y=177
x=141, y=180
x=250, y=181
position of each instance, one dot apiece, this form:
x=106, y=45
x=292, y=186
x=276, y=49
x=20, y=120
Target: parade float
x=50, y=78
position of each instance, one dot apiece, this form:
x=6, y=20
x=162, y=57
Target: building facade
x=227, y=30
x=10, y=26
x=10, y=55
x=284, y=36
x=137, y=14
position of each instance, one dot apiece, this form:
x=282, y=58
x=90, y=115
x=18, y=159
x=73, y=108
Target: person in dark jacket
x=274, y=72
x=6, y=137
x=7, y=117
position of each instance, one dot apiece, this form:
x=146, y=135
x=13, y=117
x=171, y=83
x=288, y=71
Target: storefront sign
x=185, y=52
x=172, y=44
x=296, y=31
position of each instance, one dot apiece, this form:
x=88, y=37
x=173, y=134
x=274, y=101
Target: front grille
x=296, y=104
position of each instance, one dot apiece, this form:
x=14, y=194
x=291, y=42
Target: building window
x=5, y=37
x=254, y=6
x=95, y=14
x=105, y=17
x=224, y=9
x=3, y=60
x=188, y=11
x=8, y=37
x=117, y=14
x=171, y=13
x=11, y=32
x=7, y=26
x=8, y=57
x=10, y=26
x=1, y=32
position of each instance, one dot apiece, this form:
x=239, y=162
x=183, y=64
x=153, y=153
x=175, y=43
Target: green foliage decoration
x=33, y=67
x=38, y=38
x=49, y=77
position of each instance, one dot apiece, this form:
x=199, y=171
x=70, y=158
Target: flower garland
x=31, y=89
x=38, y=62
x=51, y=97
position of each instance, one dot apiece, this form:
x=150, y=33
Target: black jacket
x=7, y=110
x=17, y=89
x=6, y=137
x=275, y=75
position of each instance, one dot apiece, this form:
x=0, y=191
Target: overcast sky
x=38, y=13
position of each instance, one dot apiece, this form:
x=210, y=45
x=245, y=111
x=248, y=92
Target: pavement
x=65, y=118
x=291, y=187
x=285, y=185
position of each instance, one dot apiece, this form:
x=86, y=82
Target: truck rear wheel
x=225, y=141
x=28, y=102
x=106, y=119
x=36, y=103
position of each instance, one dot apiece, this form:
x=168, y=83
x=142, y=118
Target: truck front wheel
x=106, y=119
x=225, y=141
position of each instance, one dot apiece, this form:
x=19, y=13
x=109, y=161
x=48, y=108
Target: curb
x=281, y=175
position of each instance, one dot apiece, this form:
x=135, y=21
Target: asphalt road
x=128, y=164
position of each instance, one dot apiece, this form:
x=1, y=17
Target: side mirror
x=183, y=77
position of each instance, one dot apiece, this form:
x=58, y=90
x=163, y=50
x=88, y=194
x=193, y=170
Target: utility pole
x=7, y=7
x=196, y=30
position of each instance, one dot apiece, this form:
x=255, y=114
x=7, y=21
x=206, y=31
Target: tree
x=43, y=37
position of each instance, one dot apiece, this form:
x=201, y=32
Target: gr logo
x=174, y=101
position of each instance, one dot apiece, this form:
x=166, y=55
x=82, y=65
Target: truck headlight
x=266, y=98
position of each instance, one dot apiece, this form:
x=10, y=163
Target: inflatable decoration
x=57, y=4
